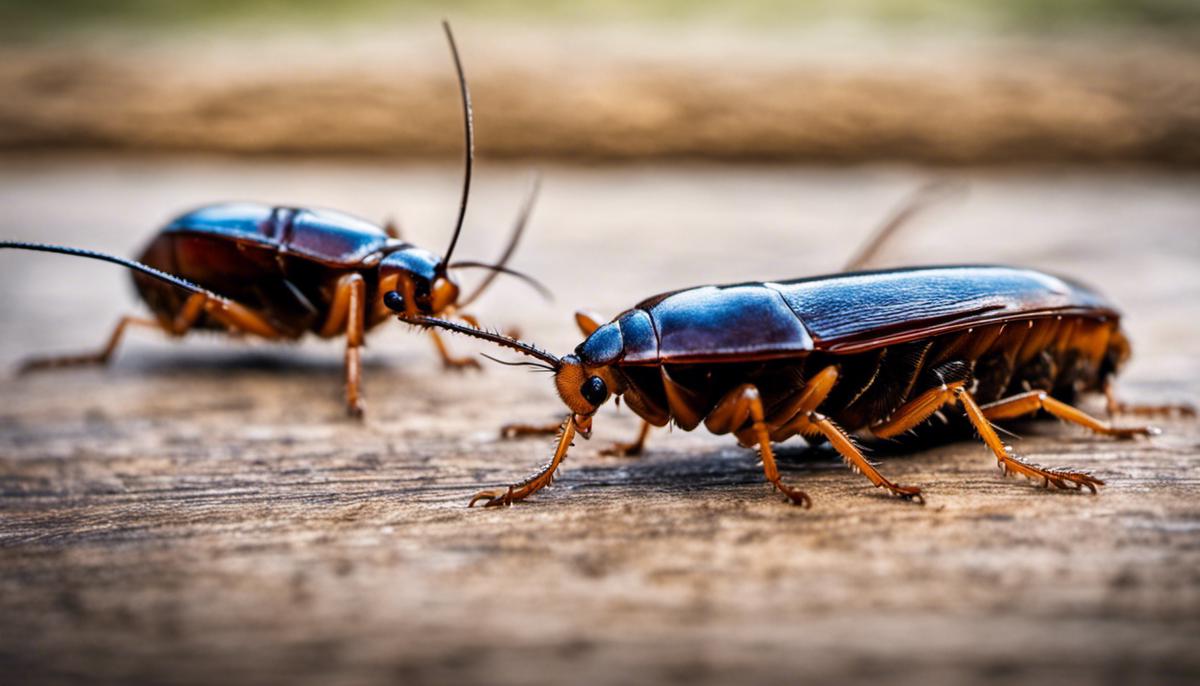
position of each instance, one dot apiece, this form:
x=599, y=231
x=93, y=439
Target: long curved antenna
x=520, y=363
x=469, y=125
x=105, y=257
x=500, y=269
x=518, y=230
x=492, y=336
x=913, y=205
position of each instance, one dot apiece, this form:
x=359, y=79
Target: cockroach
x=283, y=272
x=827, y=357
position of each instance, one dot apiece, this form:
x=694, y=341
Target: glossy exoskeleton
x=878, y=352
x=282, y=272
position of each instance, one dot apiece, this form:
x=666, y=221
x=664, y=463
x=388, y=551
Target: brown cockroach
x=281, y=272
x=879, y=352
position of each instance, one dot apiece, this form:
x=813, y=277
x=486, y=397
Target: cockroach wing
x=329, y=237
x=240, y=221
x=335, y=238
x=841, y=313
x=854, y=312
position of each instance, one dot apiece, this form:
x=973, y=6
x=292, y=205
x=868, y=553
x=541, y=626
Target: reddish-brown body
x=880, y=352
x=281, y=272
x=892, y=335
x=283, y=263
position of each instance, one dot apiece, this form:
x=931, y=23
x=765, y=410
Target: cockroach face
x=422, y=285
x=584, y=389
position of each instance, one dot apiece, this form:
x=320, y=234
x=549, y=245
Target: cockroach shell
x=329, y=237
x=847, y=313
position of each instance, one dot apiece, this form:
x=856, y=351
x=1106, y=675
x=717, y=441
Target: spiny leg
x=535, y=482
x=1010, y=463
x=923, y=406
x=739, y=406
x=800, y=416
x=1028, y=403
x=100, y=357
x=858, y=462
x=912, y=413
x=1115, y=406
x=347, y=314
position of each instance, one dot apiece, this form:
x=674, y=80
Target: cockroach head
x=422, y=285
x=582, y=388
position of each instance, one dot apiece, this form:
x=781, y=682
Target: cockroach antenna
x=537, y=366
x=492, y=336
x=105, y=257
x=469, y=152
x=501, y=269
x=518, y=229
x=928, y=194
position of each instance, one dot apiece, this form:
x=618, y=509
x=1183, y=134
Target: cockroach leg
x=743, y=405
x=917, y=410
x=1011, y=464
x=1115, y=406
x=347, y=315
x=101, y=357
x=858, y=462
x=1028, y=403
x=633, y=449
x=236, y=317
x=188, y=314
x=355, y=329
x=448, y=361
x=408, y=290
x=536, y=481
x=806, y=421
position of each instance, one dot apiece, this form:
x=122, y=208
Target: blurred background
x=925, y=80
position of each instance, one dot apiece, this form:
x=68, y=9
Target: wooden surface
x=202, y=512
x=614, y=92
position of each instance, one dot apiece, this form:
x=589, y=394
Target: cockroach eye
x=594, y=390
x=394, y=301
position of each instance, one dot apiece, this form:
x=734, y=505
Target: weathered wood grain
x=202, y=512
x=596, y=92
